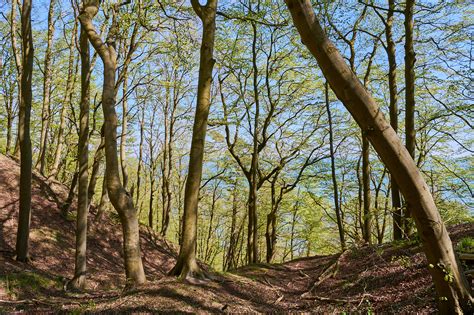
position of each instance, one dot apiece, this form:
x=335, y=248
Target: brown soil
x=388, y=279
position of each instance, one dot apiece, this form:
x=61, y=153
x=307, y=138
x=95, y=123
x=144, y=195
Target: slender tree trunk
x=392, y=83
x=340, y=224
x=119, y=197
x=140, y=155
x=66, y=99
x=252, y=236
x=208, y=251
x=230, y=258
x=98, y=156
x=19, y=68
x=70, y=196
x=366, y=186
x=46, y=112
x=24, y=215
x=410, y=134
x=186, y=264
x=104, y=201
x=436, y=242
x=79, y=280
x=123, y=138
x=152, y=192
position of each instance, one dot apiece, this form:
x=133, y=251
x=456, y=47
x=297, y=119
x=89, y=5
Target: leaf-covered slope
x=391, y=278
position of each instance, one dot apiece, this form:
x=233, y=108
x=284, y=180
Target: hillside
x=390, y=278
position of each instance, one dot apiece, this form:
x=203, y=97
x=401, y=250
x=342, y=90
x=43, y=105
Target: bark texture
x=392, y=83
x=119, y=197
x=46, y=112
x=79, y=280
x=186, y=266
x=24, y=216
x=410, y=133
x=454, y=295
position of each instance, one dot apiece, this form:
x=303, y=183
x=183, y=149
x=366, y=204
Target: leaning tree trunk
x=186, y=266
x=24, y=215
x=120, y=198
x=454, y=295
x=79, y=280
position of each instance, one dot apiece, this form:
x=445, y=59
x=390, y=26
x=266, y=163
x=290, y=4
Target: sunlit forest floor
x=389, y=278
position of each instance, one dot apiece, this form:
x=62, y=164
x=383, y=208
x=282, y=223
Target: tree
x=410, y=134
x=120, y=198
x=46, y=112
x=24, y=215
x=332, y=152
x=79, y=280
x=186, y=266
x=454, y=295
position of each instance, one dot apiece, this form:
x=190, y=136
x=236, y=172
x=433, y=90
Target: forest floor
x=389, y=278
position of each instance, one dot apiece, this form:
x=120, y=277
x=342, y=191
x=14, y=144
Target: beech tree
x=78, y=282
x=186, y=266
x=27, y=54
x=454, y=296
x=120, y=198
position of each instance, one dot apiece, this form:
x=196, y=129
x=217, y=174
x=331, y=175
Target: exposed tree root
x=76, y=284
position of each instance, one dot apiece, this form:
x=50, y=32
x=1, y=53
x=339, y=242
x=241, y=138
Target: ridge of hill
x=389, y=278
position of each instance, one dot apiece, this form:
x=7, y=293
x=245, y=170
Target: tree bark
x=46, y=112
x=410, y=133
x=186, y=266
x=455, y=296
x=66, y=99
x=98, y=156
x=123, y=137
x=19, y=67
x=24, y=215
x=392, y=83
x=340, y=224
x=79, y=280
x=119, y=197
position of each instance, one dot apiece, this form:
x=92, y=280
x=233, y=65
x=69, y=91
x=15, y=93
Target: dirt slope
x=389, y=278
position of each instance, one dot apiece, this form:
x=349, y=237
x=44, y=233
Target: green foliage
x=466, y=245
x=402, y=260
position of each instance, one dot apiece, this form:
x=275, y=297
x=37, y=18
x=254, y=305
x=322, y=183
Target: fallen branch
x=464, y=256
x=328, y=272
x=326, y=299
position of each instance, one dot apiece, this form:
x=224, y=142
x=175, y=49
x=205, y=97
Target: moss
x=17, y=283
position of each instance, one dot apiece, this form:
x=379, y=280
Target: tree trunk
x=98, y=156
x=409, y=98
x=19, y=67
x=186, y=266
x=340, y=224
x=455, y=296
x=66, y=99
x=392, y=83
x=140, y=154
x=79, y=280
x=119, y=197
x=46, y=112
x=230, y=258
x=24, y=215
x=104, y=201
x=252, y=233
x=123, y=138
